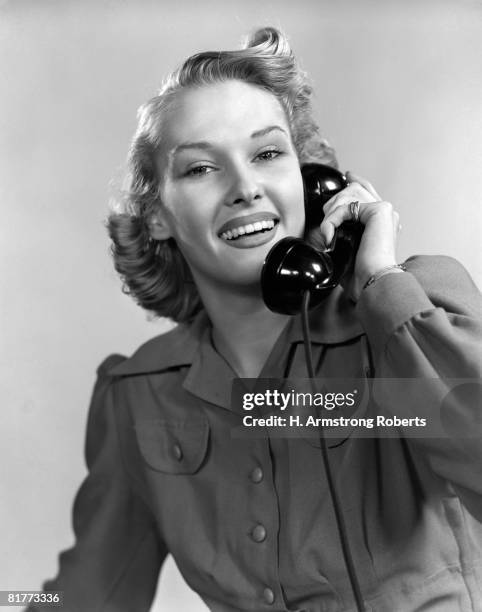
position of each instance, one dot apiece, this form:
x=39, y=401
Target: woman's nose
x=245, y=187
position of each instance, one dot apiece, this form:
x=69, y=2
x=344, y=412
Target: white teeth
x=248, y=229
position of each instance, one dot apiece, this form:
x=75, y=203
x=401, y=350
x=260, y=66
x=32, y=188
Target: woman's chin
x=247, y=270
x=236, y=270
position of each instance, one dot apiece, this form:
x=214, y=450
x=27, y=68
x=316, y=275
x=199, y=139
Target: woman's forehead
x=220, y=112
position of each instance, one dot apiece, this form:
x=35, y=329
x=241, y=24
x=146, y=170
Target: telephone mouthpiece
x=290, y=269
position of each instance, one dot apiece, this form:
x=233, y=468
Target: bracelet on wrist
x=374, y=277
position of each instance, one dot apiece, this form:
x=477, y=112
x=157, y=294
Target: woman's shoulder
x=173, y=348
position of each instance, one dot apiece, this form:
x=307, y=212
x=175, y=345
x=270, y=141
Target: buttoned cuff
x=389, y=303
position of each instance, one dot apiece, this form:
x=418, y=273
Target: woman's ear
x=158, y=226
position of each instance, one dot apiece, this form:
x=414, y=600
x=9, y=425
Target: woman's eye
x=268, y=155
x=199, y=171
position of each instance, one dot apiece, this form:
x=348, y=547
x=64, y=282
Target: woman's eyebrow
x=267, y=130
x=203, y=144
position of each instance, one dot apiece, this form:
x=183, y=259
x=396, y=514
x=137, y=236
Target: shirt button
x=177, y=450
x=268, y=595
x=259, y=533
x=257, y=475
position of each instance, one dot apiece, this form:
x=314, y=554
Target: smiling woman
x=242, y=169
x=215, y=182
x=217, y=109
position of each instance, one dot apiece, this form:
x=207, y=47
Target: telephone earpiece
x=293, y=266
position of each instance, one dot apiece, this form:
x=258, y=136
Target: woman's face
x=230, y=180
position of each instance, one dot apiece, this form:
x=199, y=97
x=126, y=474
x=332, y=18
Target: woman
x=215, y=182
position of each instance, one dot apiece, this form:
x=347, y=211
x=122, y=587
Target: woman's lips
x=249, y=230
x=246, y=230
x=247, y=241
x=243, y=221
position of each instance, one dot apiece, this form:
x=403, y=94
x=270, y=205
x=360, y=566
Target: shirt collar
x=332, y=322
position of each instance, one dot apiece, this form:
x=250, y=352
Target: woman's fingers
x=354, y=191
x=342, y=212
x=334, y=218
x=358, y=190
x=378, y=243
x=354, y=178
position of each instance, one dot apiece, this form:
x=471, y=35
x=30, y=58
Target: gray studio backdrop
x=398, y=94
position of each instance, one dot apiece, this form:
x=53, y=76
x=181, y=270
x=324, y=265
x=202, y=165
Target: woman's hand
x=378, y=243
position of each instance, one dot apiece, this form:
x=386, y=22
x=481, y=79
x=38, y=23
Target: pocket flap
x=173, y=447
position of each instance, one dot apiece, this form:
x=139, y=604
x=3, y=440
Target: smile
x=250, y=228
x=245, y=231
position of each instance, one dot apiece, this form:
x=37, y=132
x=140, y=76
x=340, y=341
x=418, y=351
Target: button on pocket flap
x=173, y=447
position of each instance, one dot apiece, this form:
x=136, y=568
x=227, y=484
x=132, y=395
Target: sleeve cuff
x=389, y=303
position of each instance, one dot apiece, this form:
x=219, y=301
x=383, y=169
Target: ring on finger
x=354, y=208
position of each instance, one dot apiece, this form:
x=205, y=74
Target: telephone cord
x=340, y=521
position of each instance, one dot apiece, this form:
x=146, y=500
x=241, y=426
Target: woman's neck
x=244, y=330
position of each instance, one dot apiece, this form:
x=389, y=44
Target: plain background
x=399, y=94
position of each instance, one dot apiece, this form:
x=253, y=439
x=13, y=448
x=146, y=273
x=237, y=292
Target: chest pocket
x=173, y=447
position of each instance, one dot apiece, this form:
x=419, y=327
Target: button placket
x=265, y=508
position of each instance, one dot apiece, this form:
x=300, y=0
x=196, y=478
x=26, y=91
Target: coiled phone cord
x=340, y=521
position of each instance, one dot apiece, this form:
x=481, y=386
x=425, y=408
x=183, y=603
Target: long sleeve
x=115, y=562
x=426, y=324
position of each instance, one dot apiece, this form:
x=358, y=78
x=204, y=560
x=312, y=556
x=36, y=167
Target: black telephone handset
x=293, y=266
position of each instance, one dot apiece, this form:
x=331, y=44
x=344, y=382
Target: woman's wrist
x=391, y=269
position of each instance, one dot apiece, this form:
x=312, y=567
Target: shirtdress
x=249, y=520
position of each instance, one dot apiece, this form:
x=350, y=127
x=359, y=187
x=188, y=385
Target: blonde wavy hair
x=154, y=272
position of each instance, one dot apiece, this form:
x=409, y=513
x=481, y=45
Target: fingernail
x=328, y=243
x=332, y=234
